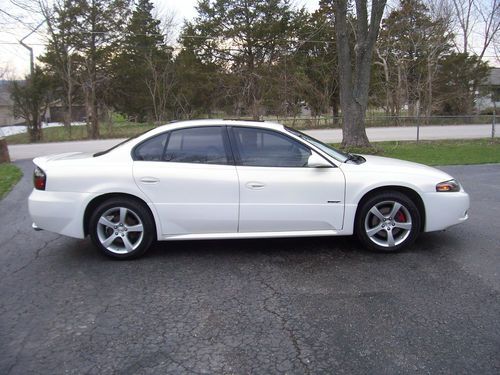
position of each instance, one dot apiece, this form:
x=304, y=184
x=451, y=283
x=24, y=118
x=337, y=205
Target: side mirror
x=317, y=161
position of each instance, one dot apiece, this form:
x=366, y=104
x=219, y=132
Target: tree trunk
x=92, y=75
x=69, y=106
x=35, y=127
x=399, y=93
x=428, y=109
x=353, y=127
x=335, y=111
x=255, y=110
x=4, y=151
x=94, y=121
x=388, y=93
x=35, y=132
x=355, y=80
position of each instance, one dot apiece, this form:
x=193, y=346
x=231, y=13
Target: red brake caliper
x=400, y=216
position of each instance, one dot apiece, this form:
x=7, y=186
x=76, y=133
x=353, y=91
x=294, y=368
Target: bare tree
x=159, y=81
x=478, y=23
x=489, y=14
x=355, y=78
x=465, y=19
x=59, y=55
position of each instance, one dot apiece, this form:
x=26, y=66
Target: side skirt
x=214, y=236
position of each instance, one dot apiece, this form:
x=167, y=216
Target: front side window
x=203, y=145
x=266, y=148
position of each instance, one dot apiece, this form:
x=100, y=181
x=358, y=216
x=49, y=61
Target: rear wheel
x=388, y=222
x=122, y=228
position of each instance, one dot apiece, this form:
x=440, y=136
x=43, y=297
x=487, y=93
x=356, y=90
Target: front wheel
x=388, y=222
x=122, y=228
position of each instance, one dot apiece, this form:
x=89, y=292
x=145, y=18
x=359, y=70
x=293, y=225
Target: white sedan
x=213, y=179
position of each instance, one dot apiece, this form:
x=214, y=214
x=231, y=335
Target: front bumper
x=444, y=210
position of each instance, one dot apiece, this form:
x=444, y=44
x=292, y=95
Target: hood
x=403, y=167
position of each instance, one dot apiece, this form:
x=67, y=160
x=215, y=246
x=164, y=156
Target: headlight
x=448, y=186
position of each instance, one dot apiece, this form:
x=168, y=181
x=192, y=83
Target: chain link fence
x=475, y=126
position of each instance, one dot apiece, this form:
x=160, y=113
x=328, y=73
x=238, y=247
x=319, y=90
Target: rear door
x=189, y=176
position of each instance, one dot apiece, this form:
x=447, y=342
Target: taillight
x=39, y=178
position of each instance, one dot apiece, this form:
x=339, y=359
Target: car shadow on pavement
x=335, y=247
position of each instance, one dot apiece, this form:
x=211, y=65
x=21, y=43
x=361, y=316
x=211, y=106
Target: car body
x=212, y=179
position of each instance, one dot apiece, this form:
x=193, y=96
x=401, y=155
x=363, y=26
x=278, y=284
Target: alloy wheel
x=120, y=230
x=388, y=223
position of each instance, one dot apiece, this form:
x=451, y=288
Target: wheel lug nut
x=116, y=233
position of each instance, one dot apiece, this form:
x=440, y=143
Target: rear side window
x=151, y=149
x=265, y=148
x=203, y=145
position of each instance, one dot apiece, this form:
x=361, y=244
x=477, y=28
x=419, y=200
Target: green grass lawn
x=9, y=175
x=448, y=152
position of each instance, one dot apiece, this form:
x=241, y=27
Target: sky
x=14, y=59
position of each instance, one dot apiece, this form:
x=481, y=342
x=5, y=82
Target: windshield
x=334, y=153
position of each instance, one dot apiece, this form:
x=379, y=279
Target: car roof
x=195, y=123
x=214, y=122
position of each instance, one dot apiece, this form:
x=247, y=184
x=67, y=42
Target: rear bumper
x=58, y=212
x=444, y=210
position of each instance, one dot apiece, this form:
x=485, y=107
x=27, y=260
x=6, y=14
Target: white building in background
x=489, y=92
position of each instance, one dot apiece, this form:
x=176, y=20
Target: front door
x=278, y=192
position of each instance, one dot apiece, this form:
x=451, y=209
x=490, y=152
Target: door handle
x=150, y=180
x=255, y=185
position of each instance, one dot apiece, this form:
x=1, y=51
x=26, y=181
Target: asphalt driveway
x=295, y=306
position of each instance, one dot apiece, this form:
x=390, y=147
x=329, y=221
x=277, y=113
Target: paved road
x=18, y=152
x=298, y=306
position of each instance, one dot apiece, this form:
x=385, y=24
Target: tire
x=388, y=222
x=122, y=228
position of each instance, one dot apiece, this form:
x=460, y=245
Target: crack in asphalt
x=285, y=326
x=37, y=254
